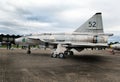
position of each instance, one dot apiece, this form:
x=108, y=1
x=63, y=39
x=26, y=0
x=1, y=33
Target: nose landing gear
x=29, y=50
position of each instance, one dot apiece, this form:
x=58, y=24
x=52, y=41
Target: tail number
x=92, y=24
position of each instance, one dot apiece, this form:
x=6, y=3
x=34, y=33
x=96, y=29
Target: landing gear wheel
x=61, y=55
x=54, y=55
x=66, y=53
x=28, y=52
x=69, y=53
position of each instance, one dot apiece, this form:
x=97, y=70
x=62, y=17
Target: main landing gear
x=61, y=52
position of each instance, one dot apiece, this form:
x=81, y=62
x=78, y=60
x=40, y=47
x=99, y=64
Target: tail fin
x=93, y=25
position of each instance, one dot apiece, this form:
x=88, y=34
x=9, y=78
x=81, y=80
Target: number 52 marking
x=92, y=24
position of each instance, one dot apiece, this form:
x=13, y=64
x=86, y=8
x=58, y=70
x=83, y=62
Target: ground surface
x=87, y=66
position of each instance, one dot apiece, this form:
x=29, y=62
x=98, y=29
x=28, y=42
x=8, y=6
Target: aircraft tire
x=54, y=55
x=66, y=53
x=28, y=52
x=69, y=53
x=61, y=55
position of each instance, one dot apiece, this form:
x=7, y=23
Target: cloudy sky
x=38, y=16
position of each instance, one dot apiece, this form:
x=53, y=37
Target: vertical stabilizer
x=93, y=25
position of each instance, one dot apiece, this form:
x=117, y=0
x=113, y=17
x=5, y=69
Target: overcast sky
x=38, y=16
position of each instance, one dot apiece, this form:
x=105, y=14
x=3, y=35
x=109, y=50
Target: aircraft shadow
x=88, y=58
x=39, y=54
x=84, y=58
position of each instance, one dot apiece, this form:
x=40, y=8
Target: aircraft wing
x=88, y=45
x=82, y=45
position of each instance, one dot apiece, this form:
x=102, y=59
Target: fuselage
x=62, y=37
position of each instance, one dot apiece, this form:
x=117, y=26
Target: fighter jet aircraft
x=89, y=35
